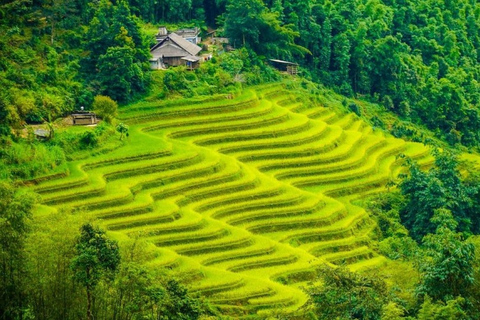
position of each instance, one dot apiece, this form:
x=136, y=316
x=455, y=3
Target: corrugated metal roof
x=284, y=62
x=191, y=58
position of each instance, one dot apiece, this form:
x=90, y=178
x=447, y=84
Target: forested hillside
x=418, y=58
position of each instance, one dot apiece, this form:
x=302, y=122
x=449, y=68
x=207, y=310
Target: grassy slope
x=245, y=198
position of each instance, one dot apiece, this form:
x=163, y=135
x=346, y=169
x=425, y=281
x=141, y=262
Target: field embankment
x=247, y=198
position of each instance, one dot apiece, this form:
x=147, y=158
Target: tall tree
x=250, y=23
x=96, y=257
x=447, y=265
x=117, y=60
x=15, y=211
x=348, y=295
x=440, y=188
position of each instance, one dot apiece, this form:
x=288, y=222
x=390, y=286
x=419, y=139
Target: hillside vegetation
x=350, y=191
x=249, y=197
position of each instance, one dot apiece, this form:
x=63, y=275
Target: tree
x=119, y=76
x=15, y=211
x=348, y=295
x=447, y=266
x=96, y=257
x=452, y=310
x=250, y=23
x=122, y=129
x=118, y=53
x=50, y=248
x=105, y=107
x=179, y=304
x=440, y=188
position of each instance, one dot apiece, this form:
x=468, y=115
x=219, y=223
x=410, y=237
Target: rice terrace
x=246, y=197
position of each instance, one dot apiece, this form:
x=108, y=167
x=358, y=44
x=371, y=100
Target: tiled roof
x=174, y=46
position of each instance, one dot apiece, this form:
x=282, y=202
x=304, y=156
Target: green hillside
x=246, y=197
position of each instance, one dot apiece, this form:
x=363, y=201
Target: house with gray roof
x=174, y=50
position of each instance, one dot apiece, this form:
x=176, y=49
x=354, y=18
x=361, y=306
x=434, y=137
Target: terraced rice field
x=246, y=198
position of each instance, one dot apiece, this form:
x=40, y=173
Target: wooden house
x=174, y=50
x=84, y=117
x=286, y=66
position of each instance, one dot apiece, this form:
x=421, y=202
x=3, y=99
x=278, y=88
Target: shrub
x=377, y=122
x=355, y=109
x=105, y=108
x=88, y=140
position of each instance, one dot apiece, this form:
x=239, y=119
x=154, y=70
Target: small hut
x=84, y=117
x=42, y=134
x=286, y=66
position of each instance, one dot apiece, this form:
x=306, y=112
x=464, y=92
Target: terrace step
x=246, y=198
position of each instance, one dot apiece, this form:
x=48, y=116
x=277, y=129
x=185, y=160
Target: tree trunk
x=53, y=31
x=89, y=297
x=89, y=304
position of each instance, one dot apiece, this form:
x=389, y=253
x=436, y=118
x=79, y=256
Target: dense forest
x=418, y=60
x=396, y=53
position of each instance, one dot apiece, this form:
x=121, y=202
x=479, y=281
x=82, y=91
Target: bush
x=105, y=108
x=355, y=109
x=29, y=160
x=88, y=140
x=377, y=122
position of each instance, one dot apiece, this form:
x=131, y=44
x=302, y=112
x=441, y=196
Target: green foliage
x=49, y=250
x=441, y=187
x=447, y=266
x=96, y=257
x=348, y=295
x=391, y=51
x=122, y=129
x=355, y=109
x=72, y=142
x=178, y=303
x=117, y=61
x=37, y=77
x=88, y=140
x=451, y=310
x=26, y=160
x=222, y=75
x=250, y=23
x=15, y=211
x=105, y=108
x=391, y=311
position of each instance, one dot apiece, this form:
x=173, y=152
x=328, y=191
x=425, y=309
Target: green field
x=247, y=197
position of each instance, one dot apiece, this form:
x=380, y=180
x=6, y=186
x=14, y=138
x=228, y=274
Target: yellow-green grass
x=245, y=198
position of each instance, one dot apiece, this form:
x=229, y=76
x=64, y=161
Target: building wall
x=173, y=61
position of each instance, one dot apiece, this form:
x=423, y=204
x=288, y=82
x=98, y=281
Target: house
x=162, y=33
x=289, y=67
x=191, y=35
x=82, y=117
x=174, y=50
